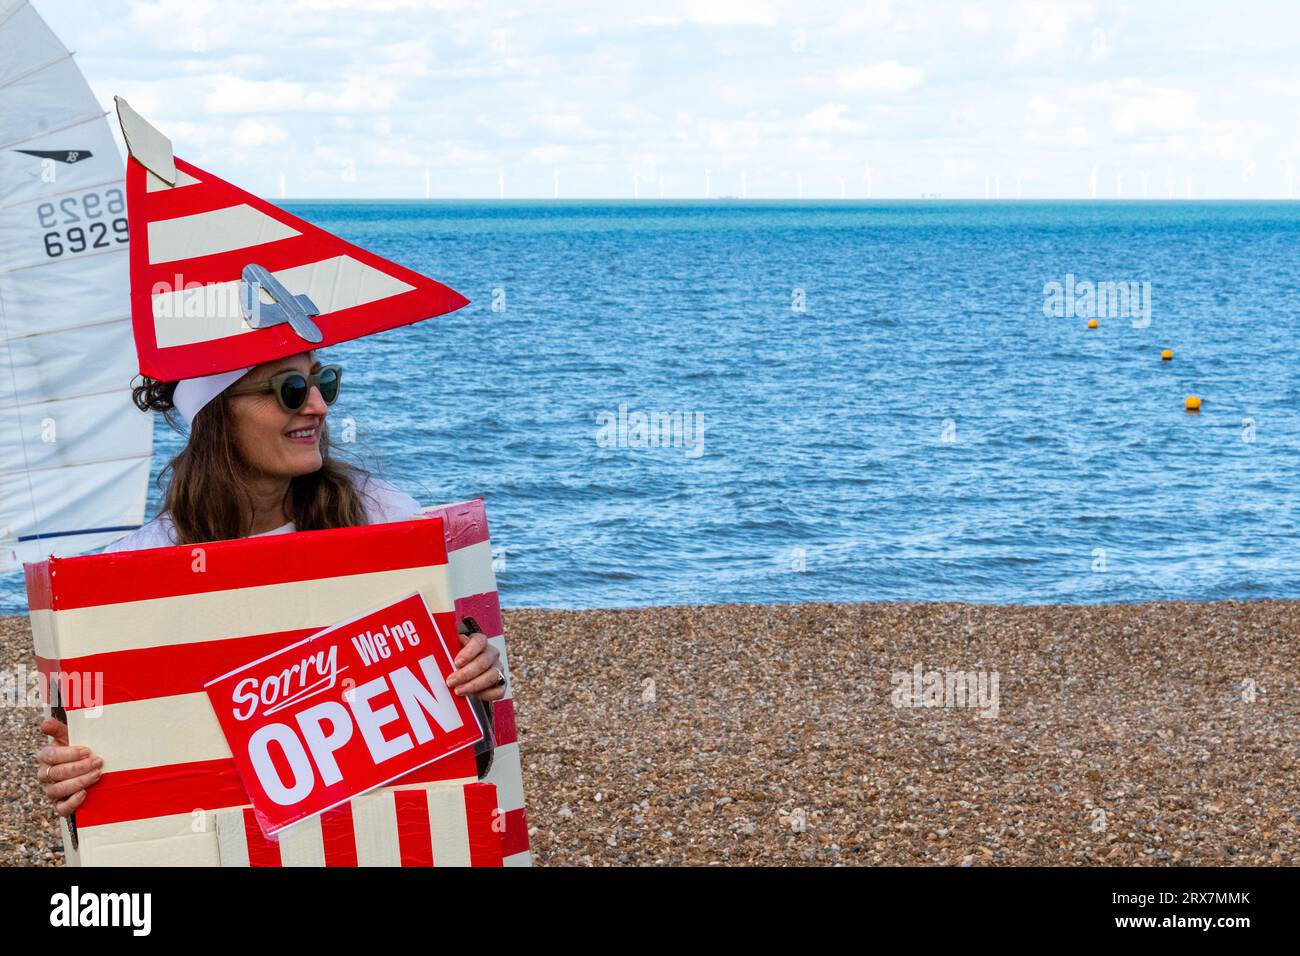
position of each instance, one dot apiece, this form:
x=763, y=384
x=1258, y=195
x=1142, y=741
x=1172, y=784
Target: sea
x=722, y=401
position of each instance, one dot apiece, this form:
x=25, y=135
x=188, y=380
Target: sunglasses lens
x=329, y=385
x=293, y=392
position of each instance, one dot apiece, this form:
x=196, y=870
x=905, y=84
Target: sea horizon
x=791, y=200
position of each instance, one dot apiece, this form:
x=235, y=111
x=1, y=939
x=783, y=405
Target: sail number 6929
x=90, y=221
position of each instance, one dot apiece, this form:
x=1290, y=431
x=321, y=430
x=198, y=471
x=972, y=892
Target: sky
x=688, y=100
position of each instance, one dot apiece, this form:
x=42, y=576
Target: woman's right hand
x=65, y=772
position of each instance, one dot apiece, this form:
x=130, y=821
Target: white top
x=383, y=503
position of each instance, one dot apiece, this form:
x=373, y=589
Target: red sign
x=349, y=709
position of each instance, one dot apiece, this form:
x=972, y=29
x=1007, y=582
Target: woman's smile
x=304, y=436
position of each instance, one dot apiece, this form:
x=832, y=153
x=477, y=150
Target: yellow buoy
x=1092, y=323
x=1167, y=355
x=1193, y=404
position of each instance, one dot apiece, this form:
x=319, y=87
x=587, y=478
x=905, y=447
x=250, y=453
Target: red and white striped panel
x=440, y=826
x=157, y=623
x=474, y=590
x=189, y=245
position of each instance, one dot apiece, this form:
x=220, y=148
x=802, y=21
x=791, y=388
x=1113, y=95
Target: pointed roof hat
x=222, y=280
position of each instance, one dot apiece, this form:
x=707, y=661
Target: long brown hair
x=208, y=496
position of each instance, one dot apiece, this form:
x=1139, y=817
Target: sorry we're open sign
x=350, y=708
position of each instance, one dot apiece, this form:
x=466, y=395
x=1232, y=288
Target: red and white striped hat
x=222, y=280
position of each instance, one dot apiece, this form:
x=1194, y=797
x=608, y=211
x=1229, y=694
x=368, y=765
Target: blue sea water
x=920, y=431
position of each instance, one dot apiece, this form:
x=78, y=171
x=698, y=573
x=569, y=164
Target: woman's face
x=270, y=440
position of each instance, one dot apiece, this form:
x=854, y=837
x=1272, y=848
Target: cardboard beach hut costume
x=127, y=641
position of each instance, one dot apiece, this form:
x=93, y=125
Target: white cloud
x=255, y=132
x=830, y=119
x=714, y=12
x=354, y=92
x=1045, y=28
x=886, y=77
x=938, y=94
x=565, y=125
x=1146, y=111
x=549, y=155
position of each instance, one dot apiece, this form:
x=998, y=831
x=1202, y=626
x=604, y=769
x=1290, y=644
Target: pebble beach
x=1163, y=734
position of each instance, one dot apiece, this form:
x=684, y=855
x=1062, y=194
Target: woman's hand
x=477, y=671
x=65, y=772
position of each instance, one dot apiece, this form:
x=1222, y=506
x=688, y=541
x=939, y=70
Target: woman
x=257, y=462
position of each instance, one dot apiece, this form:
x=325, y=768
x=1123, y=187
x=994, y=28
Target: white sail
x=74, y=451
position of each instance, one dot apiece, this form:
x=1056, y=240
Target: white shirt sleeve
x=384, y=503
x=158, y=533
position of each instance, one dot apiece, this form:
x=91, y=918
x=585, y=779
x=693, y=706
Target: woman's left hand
x=477, y=670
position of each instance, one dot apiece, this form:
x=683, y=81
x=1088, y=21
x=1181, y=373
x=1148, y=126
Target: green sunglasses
x=292, y=389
